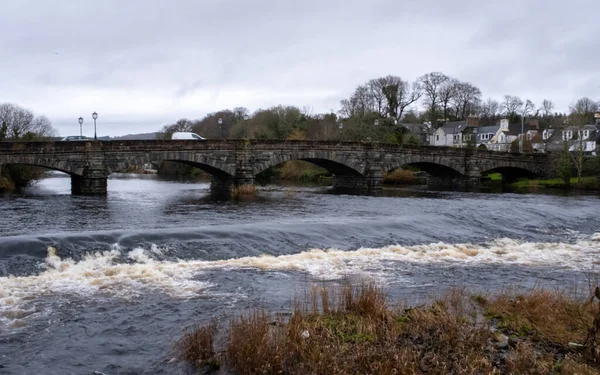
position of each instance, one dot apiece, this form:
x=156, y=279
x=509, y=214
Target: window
x=467, y=137
x=586, y=133
x=437, y=137
x=567, y=134
x=456, y=137
x=529, y=136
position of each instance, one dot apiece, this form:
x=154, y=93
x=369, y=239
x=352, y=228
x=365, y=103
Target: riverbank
x=586, y=183
x=356, y=330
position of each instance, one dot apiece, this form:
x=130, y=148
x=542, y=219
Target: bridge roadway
x=237, y=162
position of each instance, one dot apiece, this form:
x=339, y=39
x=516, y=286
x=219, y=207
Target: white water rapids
x=127, y=275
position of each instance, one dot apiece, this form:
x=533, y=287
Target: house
x=572, y=137
x=489, y=136
x=449, y=134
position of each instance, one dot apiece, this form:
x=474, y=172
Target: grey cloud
x=157, y=60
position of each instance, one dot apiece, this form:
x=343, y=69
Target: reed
x=354, y=330
x=241, y=190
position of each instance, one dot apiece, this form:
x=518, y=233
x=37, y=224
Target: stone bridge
x=237, y=162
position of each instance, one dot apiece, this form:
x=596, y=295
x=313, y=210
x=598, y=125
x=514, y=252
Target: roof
x=488, y=129
x=415, y=127
x=595, y=136
x=454, y=127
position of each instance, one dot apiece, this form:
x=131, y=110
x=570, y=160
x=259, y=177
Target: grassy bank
x=354, y=330
x=586, y=183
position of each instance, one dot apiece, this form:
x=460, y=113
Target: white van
x=187, y=135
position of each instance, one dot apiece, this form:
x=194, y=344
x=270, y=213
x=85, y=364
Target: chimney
x=597, y=118
x=534, y=124
x=472, y=121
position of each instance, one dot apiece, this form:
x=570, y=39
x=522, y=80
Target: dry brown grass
x=197, y=346
x=353, y=330
x=549, y=316
x=6, y=184
x=241, y=190
x=399, y=177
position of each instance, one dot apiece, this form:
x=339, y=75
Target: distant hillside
x=142, y=136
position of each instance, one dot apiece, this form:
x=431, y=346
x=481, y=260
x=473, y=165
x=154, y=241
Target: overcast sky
x=142, y=64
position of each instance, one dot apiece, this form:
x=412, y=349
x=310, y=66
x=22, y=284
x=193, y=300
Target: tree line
x=21, y=124
x=379, y=107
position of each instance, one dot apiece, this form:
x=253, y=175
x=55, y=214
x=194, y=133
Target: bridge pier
x=93, y=182
x=370, y=183
x=94, y=179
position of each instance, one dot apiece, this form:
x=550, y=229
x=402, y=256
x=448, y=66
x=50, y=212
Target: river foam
x=116, y=273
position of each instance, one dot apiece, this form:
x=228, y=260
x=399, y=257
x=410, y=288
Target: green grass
x=495, y=177
x=588, y=183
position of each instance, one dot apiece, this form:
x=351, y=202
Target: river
x=106, y=285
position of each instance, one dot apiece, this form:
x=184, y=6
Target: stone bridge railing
x=237, y=162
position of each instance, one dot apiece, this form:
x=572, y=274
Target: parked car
x=76, y=138
x=187, y=135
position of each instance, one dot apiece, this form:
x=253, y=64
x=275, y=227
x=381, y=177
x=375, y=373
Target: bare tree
x=582, y=113
x=431, y=84
x=376, y=89
x=585, y=108
x=490, y=110
x=512, y=105
x=448, y=92
x=528, y=108
x=42, y=127
x=547, y=107
x=466, y=100
x=360, y=103
x=20, y=122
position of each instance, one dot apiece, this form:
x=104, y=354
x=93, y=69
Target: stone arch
x=72, y=169
x=431, y=164
x=434, y=169
x=511, y=173
x=338, y=164
x=207, y=162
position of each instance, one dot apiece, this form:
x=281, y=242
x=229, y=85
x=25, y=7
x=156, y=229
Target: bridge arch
x=210, y=164
x=48, y=163
x=433, y=169
x=337, y=164
x=510, y=173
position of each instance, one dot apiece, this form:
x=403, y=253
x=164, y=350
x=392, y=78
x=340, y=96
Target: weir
x=354, y=165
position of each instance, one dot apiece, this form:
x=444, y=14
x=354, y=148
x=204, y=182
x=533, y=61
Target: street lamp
x=220, y=122
x=376, y=130
x=95, y=116
x=80, y=128
x=341, y=127
x=246, y=117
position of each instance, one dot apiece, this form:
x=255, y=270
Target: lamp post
x=220, y=122
x=376, y=129
x=246, y=117
x=95, y=116
x=341, y=127
x=80, y=126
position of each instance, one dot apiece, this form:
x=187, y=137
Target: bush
x=399, y=176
